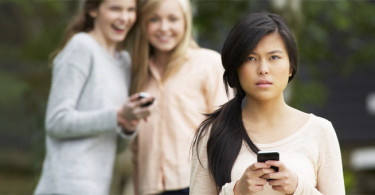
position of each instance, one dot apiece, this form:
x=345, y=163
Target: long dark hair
x=225, y=126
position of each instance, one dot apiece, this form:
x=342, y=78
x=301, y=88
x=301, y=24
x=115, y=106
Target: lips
x=164, y=39
x=263, y=83
x=119, y=28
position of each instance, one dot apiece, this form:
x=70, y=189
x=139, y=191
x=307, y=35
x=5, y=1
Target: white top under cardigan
x=88, y=86
x=313, y=153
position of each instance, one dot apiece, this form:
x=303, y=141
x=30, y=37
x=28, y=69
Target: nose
x=263, y=68
x=164, y=25
x=125, y=16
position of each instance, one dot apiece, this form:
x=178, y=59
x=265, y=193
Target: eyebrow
x=271, y=52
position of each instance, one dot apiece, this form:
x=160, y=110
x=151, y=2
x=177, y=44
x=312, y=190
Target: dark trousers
x=176, y=192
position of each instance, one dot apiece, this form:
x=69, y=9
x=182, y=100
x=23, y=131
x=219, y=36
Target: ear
x=93, y=13
x=290, y=71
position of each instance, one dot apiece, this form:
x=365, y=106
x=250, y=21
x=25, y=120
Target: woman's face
x=166, y=26
x=113, y=19
x=264, y=75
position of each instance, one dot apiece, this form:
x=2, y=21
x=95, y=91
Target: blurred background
x=336, y=78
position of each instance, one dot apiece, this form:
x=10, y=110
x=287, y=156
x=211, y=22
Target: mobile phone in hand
x=263, y=156
x=145, y=95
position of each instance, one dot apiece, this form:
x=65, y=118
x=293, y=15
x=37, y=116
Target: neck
x=110, y=47
x=265, y=111
x=160, y=60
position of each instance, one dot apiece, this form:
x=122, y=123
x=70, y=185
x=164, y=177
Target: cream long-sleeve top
x=162, y=147
x=88, y=86
x=312, y=152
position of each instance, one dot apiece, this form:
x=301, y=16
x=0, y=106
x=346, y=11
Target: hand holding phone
x=145, y=95
x=263, y=156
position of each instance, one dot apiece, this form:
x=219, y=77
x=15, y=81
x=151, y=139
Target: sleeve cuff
x=126, y=135
x=228, y=188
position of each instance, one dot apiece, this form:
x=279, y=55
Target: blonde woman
x=186, y=82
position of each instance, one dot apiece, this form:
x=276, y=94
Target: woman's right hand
x=251, y=180
x=132, y=111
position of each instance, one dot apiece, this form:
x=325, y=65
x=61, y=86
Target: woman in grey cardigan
x=88, y=103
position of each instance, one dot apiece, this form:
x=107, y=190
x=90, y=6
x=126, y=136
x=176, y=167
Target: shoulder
x=77, y=52
x=209, y=58
x=320, y=122
x=81, y=41
x=81, y=44
x=322, y=127
x=204, y=53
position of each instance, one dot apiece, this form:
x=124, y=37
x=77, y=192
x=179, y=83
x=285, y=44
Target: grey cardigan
x=88, y=86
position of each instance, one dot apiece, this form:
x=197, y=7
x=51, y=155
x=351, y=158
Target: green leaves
x=12, y=89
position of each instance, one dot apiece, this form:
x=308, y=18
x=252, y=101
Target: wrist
x=127, y=131
x=234, y=188
x=126, y=126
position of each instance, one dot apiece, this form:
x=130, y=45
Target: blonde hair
x=141, y=49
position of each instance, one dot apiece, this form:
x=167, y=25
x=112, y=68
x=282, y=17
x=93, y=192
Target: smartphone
x=144, y=95
x=263, y=156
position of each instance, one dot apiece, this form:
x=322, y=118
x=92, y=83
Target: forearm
x=64, y=123
x=304, y=189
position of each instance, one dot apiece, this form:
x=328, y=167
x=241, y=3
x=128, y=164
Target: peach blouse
x=161, y=150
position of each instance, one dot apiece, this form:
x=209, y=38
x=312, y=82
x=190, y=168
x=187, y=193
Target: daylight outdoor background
x=336, y=78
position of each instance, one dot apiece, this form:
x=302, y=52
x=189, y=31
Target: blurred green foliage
x=349, y=180
x=14, y=88
x=334, y=38
x=30, y=30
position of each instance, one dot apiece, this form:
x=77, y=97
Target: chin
x=119, y=38
x=166, y=48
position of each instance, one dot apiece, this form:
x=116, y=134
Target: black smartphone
x=144, y=95
x=263, y=156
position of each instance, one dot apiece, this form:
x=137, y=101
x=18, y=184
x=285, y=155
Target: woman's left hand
x=284, y=180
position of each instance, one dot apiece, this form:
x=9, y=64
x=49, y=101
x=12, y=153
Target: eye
x=274, y=58
x=173, y=19
x=154, y=19
x=131, y=9
x=115, y=8
x=250, y=58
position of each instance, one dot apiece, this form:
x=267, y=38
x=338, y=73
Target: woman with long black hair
x=260, y=58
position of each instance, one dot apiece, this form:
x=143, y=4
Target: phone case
x=263, y=156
